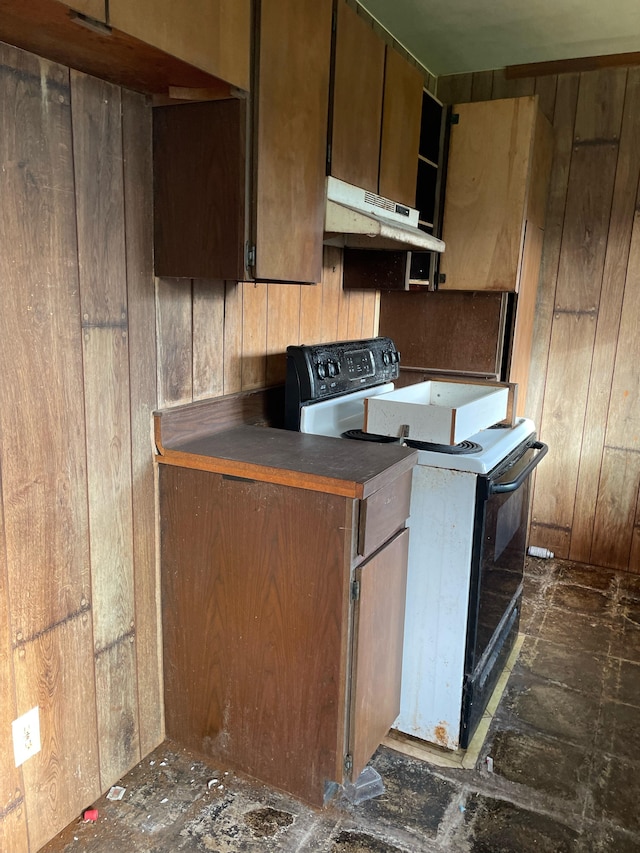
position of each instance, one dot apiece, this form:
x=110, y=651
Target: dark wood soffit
x=50, y=30
x=565, y=66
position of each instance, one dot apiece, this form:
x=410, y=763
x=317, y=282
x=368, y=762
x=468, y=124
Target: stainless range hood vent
x=360, y=219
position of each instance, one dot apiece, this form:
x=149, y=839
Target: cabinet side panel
x=254, y=584
x=378, y=660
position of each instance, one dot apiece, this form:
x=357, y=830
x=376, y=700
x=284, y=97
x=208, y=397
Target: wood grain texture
x=117, y=707
x=106, y=392
x=46, y=28
x=383, y=514
x=563, y=124
x=623, y=422
x=311, y=304
x=44, y=475
x=455, y=88
x=333, y=326
x=233, y=341
x=254, y=335
x=97, y=156
x=175, y=425
x=600, y=105
x=199, y=163
x=283, y=324
x=290, y=137
x=379, y=635
x=444, y=330
x=11, y=787
x=563, y=419
x=55, y=672
x=487, y=136
x=138, y=177
x=615, y=514
x=356, y=100
x=13, y=830
x=175, y=343
x=546, y=88
x=288, y=458
x=244, y=672
x=615, y=274
x=481, y=86
x=401, y=111
x=503, y=87
x=213, y=36
x=208, y=338
x=541, y=161
x=520, y=358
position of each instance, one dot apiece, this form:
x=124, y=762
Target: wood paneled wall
x=79, y=627
x=585, y=384
x=217, y=338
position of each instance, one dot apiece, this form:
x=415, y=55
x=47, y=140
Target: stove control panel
x=320, y=371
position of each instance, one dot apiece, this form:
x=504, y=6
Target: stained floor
x=564, y=746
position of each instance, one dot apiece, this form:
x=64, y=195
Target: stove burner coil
x=360, y=435
x=454, y=449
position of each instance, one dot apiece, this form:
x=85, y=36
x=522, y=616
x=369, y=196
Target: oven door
x=500, y=541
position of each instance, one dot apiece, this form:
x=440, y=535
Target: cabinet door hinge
x=250, y=256
x=348, y=763
x=355, y=590
x=454, y=118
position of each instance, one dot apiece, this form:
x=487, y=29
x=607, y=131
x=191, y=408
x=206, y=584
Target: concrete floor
x=565, y=745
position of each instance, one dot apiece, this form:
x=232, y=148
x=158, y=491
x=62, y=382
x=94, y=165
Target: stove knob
x=331, y=366
x=395, y=357
x=386, y=357
x=322, y=371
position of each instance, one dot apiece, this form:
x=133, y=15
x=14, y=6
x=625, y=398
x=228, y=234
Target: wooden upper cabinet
x=201, y=169
x=376, y=106
x=212, y=35
x=291, y=99
x=95, y=9
x=357, y=100
x=497, y=177
x=402, y=108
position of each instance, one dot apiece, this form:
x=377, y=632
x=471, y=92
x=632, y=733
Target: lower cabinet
x=283, y=620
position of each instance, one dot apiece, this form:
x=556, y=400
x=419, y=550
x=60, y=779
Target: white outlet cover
x=26, y=735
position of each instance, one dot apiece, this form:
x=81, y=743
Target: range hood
x=360, y=219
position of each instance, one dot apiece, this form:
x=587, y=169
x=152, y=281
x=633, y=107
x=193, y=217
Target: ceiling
x=456, y=36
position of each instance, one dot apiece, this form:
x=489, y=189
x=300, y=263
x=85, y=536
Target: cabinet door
x=213, y=35
x=402, y=106
x=379, y=632
x=290, y=137
x=486, y=190
x=356, y=100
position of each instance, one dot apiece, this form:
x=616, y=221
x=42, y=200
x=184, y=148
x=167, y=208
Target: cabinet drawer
x=384, y=512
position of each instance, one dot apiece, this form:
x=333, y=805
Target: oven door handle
x=513, y=485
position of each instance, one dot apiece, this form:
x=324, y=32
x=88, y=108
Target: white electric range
x=467, y=544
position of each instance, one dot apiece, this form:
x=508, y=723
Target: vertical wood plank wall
x=79, y=627
x=584, y=389
x=218, y=337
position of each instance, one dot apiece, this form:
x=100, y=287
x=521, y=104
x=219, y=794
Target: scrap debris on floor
x=559, y=771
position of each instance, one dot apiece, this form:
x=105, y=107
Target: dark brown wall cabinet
x=376, y=103
x=283, y=615
x=204, y=194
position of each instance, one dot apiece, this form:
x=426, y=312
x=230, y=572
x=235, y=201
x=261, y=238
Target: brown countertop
x=333, y=465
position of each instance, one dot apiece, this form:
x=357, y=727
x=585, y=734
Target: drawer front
x=383, y=513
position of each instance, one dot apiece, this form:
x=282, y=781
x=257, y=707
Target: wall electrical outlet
x=26, y=735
